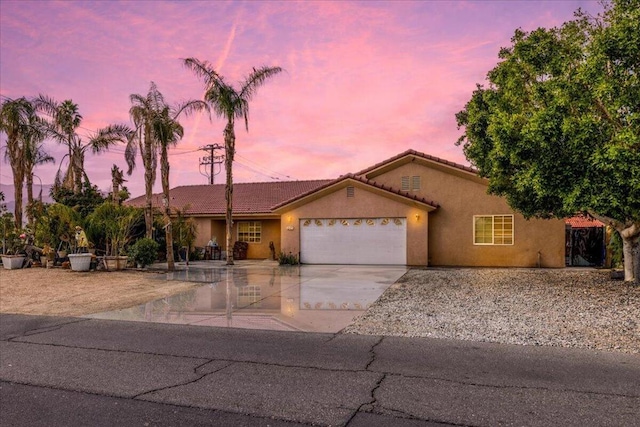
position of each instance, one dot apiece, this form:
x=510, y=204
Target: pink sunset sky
x=364, y=81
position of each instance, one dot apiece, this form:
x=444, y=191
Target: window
x=250, y=231
x=493, y=230
x=410, y=183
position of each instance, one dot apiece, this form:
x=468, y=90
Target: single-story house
x=412, y=209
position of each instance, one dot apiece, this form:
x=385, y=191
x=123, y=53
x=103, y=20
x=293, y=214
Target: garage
x=380, y=241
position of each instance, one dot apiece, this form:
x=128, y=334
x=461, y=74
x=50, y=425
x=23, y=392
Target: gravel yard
x=59, y=292
x=563, y=308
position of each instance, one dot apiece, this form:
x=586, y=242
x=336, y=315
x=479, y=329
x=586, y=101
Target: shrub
x=287, y=259
x=144, y=251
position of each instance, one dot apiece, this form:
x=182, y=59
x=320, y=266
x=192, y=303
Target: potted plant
x=117, y=223
x=54, y=228
x=143, y=252
x=50, y=255
x=14, y=255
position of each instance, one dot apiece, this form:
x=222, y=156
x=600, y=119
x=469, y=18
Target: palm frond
x=109, y=136
x=46, y=105
x=257, y=79
x=189, y=107
x=205, y=71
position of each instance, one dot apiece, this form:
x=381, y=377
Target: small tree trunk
x=147, y=153
x=636, y=262
x=68, y=178
x=148, y=208
x=18, y=180
x=77, y=169
x=630, y=234
x=630, y=250
x=164, y=172
x=230, y=141
x=29, y=179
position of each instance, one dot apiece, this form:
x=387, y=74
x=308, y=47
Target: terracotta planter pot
x=116, y=262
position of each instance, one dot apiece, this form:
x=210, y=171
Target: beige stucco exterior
x=367, y=202
x=439, y=216
x=208, y=228
x=460, y=196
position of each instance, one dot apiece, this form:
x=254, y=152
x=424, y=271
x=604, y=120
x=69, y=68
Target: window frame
x=495, y=233
x=253, y=235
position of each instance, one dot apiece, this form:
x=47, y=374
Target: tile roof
x=583, y=221
x=265, y=197
x=364, y=181
x=248, y=198
x=422, y=155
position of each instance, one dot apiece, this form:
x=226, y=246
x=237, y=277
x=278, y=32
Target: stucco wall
x=451, y=225
x=203, y=231
x=364, y=204
x=208, y=228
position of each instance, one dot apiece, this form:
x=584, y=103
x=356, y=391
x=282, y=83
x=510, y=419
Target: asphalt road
x=57, y=371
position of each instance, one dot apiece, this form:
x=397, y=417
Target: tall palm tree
x=229, y=103
x=168, y=132
x=17, y=118
x=63, y=126
x=157, y=128
x=142, y=111
x=34, y=155
x=65, y=119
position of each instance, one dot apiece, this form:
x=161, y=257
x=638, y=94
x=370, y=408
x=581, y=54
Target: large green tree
x=229, y=103
x=157, y=129
x=557, y=129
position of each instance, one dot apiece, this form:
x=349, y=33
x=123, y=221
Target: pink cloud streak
x=364, y=80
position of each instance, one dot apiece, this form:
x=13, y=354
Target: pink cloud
x=363, y=82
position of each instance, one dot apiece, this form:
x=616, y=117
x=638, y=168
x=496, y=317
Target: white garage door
x=353, y=241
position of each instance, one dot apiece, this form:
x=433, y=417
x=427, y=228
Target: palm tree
x=63, y=127
x=168, y=132
x=142, y=112
x=157, y=128
x=117, y=179
x=229, y=104
x=34, y=155
x=65, y=119
x=17, y=118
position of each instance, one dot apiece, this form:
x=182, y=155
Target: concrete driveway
x=263, y=295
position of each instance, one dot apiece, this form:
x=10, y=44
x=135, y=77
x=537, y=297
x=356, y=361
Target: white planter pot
x=11, y=262
x=80, y=262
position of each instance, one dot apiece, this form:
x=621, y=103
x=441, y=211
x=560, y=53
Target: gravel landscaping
x=563, y=308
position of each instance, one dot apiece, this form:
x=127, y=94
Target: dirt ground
x=61, y=292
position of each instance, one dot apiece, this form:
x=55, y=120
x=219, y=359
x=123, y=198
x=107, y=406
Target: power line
x=275, y=178
x=211, y=160
x=264, y=168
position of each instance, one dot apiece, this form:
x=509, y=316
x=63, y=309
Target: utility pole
x=211, y=160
